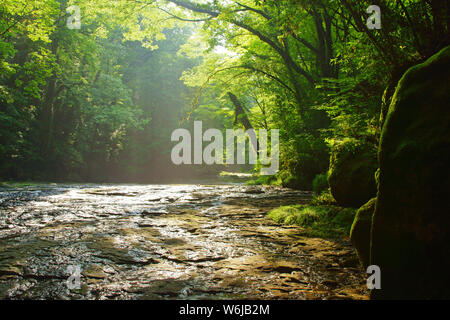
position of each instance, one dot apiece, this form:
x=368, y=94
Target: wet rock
x=10, y=270
x=192, y=230
x=146, y=225
x=134, y=235
x=152, y=213
x=194, y=249
x=174, y=242
x=233, y=281
x=200, y=196
x=254, y=191
x=112, y=193
x=282, y=267
x=107, y=250
x=154, y=199
x=278, y=292
x=350, y=262
x=94, y=271
x=293, y=277
x=330, y=283
x=166, y=288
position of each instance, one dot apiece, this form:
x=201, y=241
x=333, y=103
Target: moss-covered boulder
x=411, y=223
x=288, y=180
x=351, y=176
x=360, y=231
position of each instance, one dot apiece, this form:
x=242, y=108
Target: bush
x=288, y=180
x=320, y=183
x=301, y=160
x=264, y=180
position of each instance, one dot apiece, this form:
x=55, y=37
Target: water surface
x=165, y=242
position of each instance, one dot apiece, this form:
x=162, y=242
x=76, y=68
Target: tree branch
x=184, y=19
x=290, y=63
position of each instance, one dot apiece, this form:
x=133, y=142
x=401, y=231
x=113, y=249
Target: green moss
x=329, y=222
x=324, y=198
x=344, y=219
x=294, y=181
x=264, y=180
x=301, y=215
x=411, y=227
x=320, y=183
x=288, y=180
x=20, y=184
x=377, y=176
x=360, y=231
x=351, y=174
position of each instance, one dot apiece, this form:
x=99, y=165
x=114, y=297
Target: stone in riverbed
x=94, y=271
x=411, y=223
x=10, y=270
x=166, y=288
x=254, y=190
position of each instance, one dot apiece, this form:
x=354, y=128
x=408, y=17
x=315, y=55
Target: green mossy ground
x=319, y=219
x=264, y=180
x=20, y=184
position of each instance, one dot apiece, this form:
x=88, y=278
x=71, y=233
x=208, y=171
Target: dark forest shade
x=411, y=225
x=360, y=231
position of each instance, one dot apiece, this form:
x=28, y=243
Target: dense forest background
x=99, y=103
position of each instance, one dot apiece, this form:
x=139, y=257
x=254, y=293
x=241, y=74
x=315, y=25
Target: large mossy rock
x=411, y=223
x=360, y=231
x=352, y=173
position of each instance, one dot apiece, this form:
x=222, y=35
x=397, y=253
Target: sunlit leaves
x=32, y=18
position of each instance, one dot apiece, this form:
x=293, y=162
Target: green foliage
x=325, y=198
x=353, y=106
x=101, y=102
x=303, y=158
x=264, y=180
x=320, y=183
x=319, y=221
x=75, y=101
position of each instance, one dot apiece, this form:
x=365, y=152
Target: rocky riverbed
x=165, y=242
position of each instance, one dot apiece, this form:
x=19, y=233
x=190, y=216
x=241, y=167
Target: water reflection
x=163, y=241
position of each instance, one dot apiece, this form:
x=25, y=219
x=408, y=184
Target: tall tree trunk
x=47, y=110
x=240, y=116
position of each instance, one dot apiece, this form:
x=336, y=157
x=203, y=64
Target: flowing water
x=165, y=242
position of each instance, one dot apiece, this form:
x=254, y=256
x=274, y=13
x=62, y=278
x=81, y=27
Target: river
x=165, y=242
